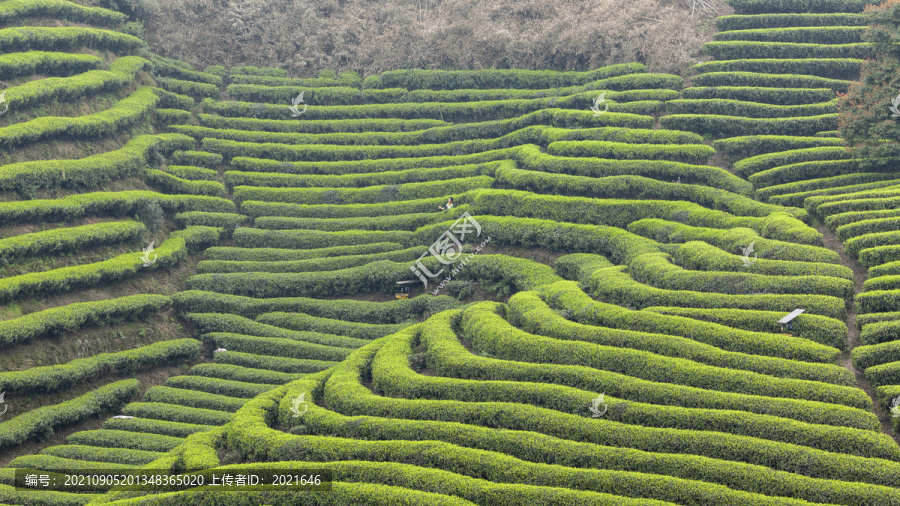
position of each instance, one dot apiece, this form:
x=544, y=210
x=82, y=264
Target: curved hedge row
x=190, y=88
x=872, y=240
x=120, y=116
x=739, y=22
x=395, y=311
x=45, y=420
x=882, y=268
x=68, y=318
x=447, y=357
x=393, y=377
x=796, y=6
x=779, y=96
x=657, y=270
x=620, y=213
x=223, y=322
x=564, y=124
x=279, y=364
x=109, y=438
x=229, y=253
x=804, y=171
x=94, y=170
x=880, y=332
x=14, y=10
x=238, y=178
x=41, y=38
x=751, y=145
x=861, y=227
x=256, y=209
x=68, y=239
x=346, y=167
x=305, y=322
x=244, y=374
x=314, y=264
x=701, y=256
x=193, y=173
x=825, y=206
x=99, y=203
x=494, y=78
x=737, y=49
x=197, y=158
x=865, y=357
x=831, y=68
x=399, y=222
x=528, y=312
x=168, y=68
x=567, y=297
x=379, y=276
x=207, y=219
x=58, y=377
x=533, y=159
x=743, y=78
x=365, y=195
x=734, y=240
x=730, y=107
x=796, y=193
x=176, y=184
x=759, y=163
x=68, y=89
x=878, y=301
x=615, y=286
x=602, y=467
x=313, y=239
x=218, y=386
x=46, y=63
x=174, y=100
x=834, y=34
x=349, y=95
x=636, y=187
x=816, y=328
x=313, y=126
x=193, y=399
x=94, y=454
x=276, y=347
x=145, y=425
x=482, y=110
x=738, y=125
x=688, y=153
x=123, y=266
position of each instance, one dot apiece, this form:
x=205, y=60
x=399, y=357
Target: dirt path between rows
x=860, y=274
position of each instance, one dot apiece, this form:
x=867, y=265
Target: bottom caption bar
x=162, y=480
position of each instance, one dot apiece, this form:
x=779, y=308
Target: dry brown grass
x=307, y=36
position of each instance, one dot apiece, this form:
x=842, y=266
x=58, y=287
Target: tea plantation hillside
x=594, y=321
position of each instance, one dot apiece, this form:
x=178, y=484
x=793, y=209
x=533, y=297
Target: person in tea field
x=448, y=205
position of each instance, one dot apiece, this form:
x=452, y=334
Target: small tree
x=151, y=214
x=867, y=120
